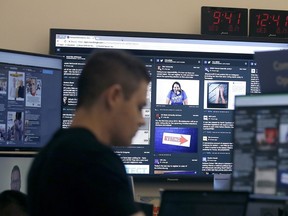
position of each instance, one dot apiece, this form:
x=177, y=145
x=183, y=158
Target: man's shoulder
x=74, y=138
x=78, y=147
x=71, y=133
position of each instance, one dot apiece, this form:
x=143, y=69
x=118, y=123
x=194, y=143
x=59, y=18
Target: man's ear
x=113, y=95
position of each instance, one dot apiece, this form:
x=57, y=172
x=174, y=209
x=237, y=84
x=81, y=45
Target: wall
x=25, y=24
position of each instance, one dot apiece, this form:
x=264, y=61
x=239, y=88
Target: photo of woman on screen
x=176, y=95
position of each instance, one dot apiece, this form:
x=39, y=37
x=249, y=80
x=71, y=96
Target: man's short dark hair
x=106, y=68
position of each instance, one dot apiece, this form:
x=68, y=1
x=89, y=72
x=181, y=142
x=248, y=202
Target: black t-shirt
x=74, y=174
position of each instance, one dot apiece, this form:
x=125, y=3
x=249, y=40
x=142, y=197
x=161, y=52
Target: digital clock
x=268, y=23
x=224, y=21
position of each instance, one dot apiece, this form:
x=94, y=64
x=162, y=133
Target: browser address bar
x=162, y=46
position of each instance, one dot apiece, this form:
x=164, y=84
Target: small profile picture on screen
x=65, y=101
x=217, y=96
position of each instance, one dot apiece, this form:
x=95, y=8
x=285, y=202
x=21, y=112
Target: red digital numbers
x=264, y=19
x=229, y=17
x=224, y=21
x=239, y=19
x=271, y=23
x=217, y=17
x=276, y=19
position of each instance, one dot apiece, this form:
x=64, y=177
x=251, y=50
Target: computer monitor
x=30, y=95
x=260, y=145
x=178, y=142
x=14, y=171
x=198, y=203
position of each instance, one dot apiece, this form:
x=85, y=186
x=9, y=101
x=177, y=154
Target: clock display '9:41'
x=268, y=23
x=224, y=21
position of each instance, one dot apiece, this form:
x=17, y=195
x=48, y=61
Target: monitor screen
x=189, y=120
x=260, y=144
x=30, y=95
x=14, y=172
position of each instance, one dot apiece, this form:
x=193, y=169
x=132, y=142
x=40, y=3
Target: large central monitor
x=189, y=122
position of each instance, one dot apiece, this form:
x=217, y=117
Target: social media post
x=282, y=180
x=176, y=140
x=134, y=159
x=32, y=127
x=69, y=89
x=267, y=172
x=243, y=160
x=73, y=66
x=15, y=127
x=283, y=128
x=244, y=130
x=243, y=170
x=3, y=84
x=176, y=72
x=137, y=169
x=254, y=79
x=282, y=172
x=3, y=132
x=227, y=73
x=67, y=117
x=221, y=94
x=225, y=66
x=33, y=91
x=177, y=92
x=178, y=68
x=283, y=155
x=178, y=119
x=265, y=180
x=16, y=85
x=216, y=145
x=142, y=136
x=136, y=164
x=218, y=122
x=216, y=164
x=69, y=94
x=181, y=164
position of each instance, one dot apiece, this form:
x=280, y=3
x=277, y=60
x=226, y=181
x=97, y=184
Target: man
x=15, y=183
x=77, y=172
x=33, y=86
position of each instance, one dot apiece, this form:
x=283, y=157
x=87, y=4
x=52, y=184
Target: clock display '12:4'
x=268, y=23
